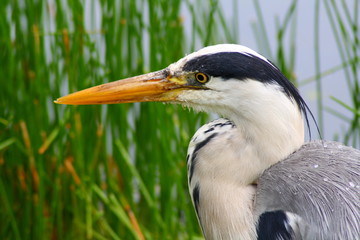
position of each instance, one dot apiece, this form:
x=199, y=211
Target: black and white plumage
x=250, y=175
x=312, y=194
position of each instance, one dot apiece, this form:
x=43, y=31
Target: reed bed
x=116, y=171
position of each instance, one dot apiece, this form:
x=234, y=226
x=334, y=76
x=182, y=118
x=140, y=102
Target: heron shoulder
x=320, y=183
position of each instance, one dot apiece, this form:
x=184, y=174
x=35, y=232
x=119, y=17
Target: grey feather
x=320, y=183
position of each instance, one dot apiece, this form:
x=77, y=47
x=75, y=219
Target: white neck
x=226, y=211
x=224, y=170
x=273, y=129
x=269, y=125
x=268, y=129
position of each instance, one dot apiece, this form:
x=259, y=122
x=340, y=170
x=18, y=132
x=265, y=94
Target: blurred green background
x=119, y=171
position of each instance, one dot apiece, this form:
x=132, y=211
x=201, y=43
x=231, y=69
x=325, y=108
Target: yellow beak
x=155, y=86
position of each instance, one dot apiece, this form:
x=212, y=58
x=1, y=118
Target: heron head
x=211, y=79
x=230, y=80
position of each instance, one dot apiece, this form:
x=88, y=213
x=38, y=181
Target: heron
x=250, y=173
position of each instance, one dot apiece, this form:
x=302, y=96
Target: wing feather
x=320, y=183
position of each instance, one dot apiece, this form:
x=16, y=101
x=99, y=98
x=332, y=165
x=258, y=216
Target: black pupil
x=200, y=77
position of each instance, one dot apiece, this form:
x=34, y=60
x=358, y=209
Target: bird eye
x=201, y=77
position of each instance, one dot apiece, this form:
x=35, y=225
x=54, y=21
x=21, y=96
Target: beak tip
x=59, y=101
